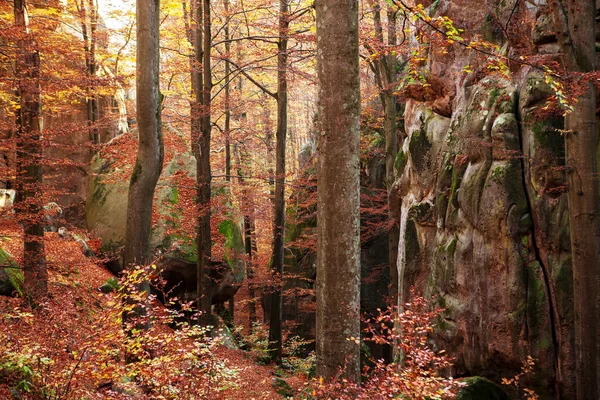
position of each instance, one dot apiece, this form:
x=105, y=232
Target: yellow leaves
x=564, y=101
x=353, y=339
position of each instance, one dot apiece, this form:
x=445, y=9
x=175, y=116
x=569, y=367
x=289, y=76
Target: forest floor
x=61, y=347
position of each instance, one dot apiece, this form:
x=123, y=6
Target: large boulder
x=173, y=233
x=106, y=207
x=11, y=276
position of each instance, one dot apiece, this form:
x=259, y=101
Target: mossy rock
x=111, y=285
x=419, y=148
x=479, y=388
x=400, y=163
x=106, y=207
x=282, y=387
x=234, y=247
x=11, y=276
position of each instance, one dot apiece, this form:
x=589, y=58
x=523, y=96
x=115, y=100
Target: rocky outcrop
x=479, y=198
x=106, y=207
x=173, y=234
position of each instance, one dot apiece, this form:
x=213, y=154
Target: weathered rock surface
x=479, y=198
x=173, y=233
x=106, y=207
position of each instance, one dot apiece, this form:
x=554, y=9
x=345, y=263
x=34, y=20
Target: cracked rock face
x=484, y=229
x=481, y=204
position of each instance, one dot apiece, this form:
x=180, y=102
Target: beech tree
x=28, y=137
x=150, y=153
x=88, y=14
x=205, y=281
x=576, y=32
x=275, y=336
x=338, y=201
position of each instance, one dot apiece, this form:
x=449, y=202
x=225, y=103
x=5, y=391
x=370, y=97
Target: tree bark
x=150, y=152
x=391, y=150
x=88, y=10
x=338, y=199
x=227, y=96
x=205, y=273
x=275, y=335
x=250, y=247
x=576, y=31
x=581, y=143
x=29, y=209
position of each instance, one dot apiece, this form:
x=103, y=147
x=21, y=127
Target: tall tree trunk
x=228, y=121
x=275, y=336
x=227, y=96
x=88, y=14
x=205, y=273
x=581, y=143
x=576, y=32
x=249, y=237
x=150, y=152
x=250, y=246
x=391, y=149
x=29, y=159
x=338, y=198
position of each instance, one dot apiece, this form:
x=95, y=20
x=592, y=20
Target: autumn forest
x=298, y=199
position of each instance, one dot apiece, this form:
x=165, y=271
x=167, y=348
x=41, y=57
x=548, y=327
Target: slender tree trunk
x=228, y=120
x=576, y=33
x=205, y=273
x=391, y=149
x=249, y=238
x=227, y=96
x=275, y=336
x=338, y=199
x=29, y=159
x=250, y=245
x=88, y=14
x=150, y=153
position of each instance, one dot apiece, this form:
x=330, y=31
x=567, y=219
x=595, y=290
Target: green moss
x=456, y=179
x=99, y=193
x=185, y=249
x=234, y=246
x=173, y=195
x=137, y=170
x=12, y=270
x=433, y=7
x=494, y=94
x=548, y=137
x=536, y=298
x=499, y=172
x=562, y=275
x=400, y=163
x=283, y=388
x=444, y=266
x=419, y=147
x=111, y=285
